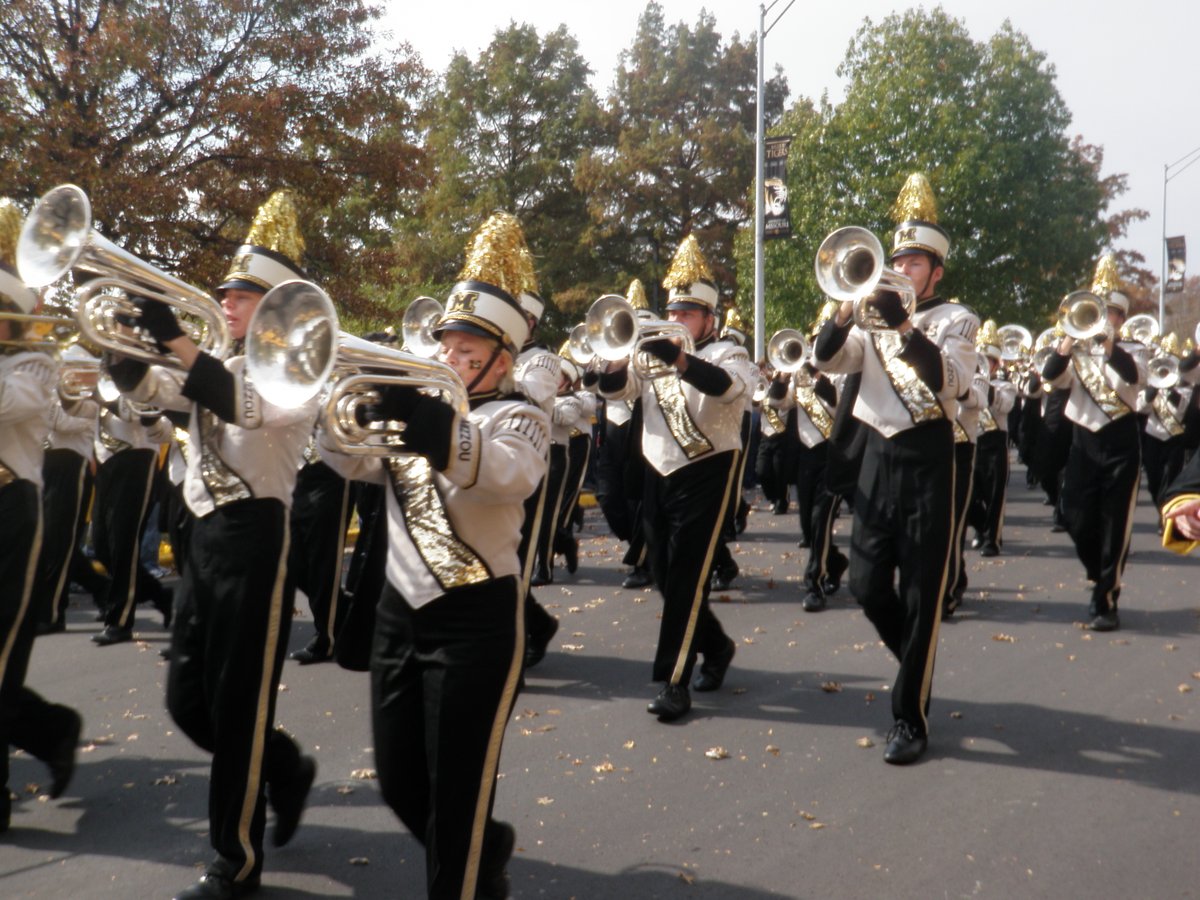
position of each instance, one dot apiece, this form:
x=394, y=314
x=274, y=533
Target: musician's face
x=921, y=269
x=698, y=321
x=239, y=306
x=467, y=354
x=1116, y=318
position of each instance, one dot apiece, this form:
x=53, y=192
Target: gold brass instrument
x=1163, y=372
x=58, y=238
x=417, y=327
x=48, y=333
x=787, y=351
x=1016, y=342
x=616, y=332
x=294, y=350
x=850, y=266
x=1141, y=328
x=1082, y=316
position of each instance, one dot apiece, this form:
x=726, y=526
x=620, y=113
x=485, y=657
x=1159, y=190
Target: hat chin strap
x=487, y=367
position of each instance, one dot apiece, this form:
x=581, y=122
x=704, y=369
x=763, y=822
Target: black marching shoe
x=112, y=635
x=316, y=651
x=712, y=671
x=814, y=601
x=833, y=578
x=541, y=577
x=1108, y=621
x=217, y=887
x=287, y=798
x=571, y=554
x=165, y=604
x=723, y=576
x=989, y=549
x=672, y=702
x=536, y=644
x=497, y=851
x=638, y=578
x=57, y=627
x=904, y=745
x=62, y=758
x=739, y=518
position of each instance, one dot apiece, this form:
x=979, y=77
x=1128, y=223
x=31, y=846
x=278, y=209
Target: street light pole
x=759, y=188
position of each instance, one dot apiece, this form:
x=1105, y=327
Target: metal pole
x=1162, y=282
x=759, y=212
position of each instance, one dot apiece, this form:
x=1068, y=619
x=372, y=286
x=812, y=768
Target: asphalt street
x=1063, y=763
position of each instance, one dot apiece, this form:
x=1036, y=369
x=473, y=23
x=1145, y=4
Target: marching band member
x=1100, y=488
x=725, y=568
x=231, y=631
x=1165, y=408
x=47, y=731
x=579, y=453
x=772, y=465
x=566, y=412
x=691, y=438
x=966, y=437
x=991, y=450
x=913, y=372
x=450, y=631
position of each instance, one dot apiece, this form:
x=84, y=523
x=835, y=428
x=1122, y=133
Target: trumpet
x=850, y=266
x=1082, y=317
x=294, y=350
x=787, y=351
x=58, y=238
x=615, y=332
x=1043, y=346
x=1016, y=341
x=1163, y=372
x=579, y=346
x=1142, y=328
x=417, y=327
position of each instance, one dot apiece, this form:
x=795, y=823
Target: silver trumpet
x=850, y=266
x=787, y=351
x=1141, y=328
x=1082, y=316
x=1043, y=346
x=615, y=332
x=1016, y=342
x=58, y=238
x=294, y=351
x=1163, y=372
x=417, y=327
x=581, y=348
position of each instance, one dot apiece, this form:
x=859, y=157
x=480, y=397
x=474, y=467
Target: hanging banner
x=1176, y=264
x=777, y=221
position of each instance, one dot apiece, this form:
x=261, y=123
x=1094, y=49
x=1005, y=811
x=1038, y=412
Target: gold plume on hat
x=11, y=220
x=915, y=201
x=1106, y=280
x=688, y=266
x=498, y=255
x=733, y=319
x=636, y=295
x=277, y=228
x=988, y=334
x=1170, y=344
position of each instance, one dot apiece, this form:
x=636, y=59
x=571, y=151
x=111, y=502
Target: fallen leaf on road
x=717, y=753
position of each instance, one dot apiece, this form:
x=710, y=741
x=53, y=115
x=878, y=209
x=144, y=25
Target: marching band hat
x=987, y=341
x=735, y=329
x=636, y=295
x=568, y=368
x=498, y=271
x=12, y=289
x=1106, y=285
x=272, y=250
x=689, y=282
x=915, y=213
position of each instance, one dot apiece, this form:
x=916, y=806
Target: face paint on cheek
x=475, y=364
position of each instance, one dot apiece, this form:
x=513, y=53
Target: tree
x=504, y=132
x=1023, y=203
x=179, y=119
x=680, y=151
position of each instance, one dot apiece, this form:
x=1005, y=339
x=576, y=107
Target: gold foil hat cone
x=277, y=227
x=498, y=255
x=915, y=202
x=11, y=220
x=688, y=266
x=1106, y=280
x=636, y=295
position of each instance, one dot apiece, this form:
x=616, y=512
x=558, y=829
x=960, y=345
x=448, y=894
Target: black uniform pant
x=228, y=645
x=67, y=482
x=770, y=467
x=684, y=512
x=538, y=622
x=964, y=485
x=556, y=489
x=123, y=485
x=825, y=562
x=1162, y=460
x=179, y=521
x=320, y=518
x=1099, y=495
x=810, y=477
x=903, y=521
x=26, y=720
x=990, y=488
x=579, y=453
x=443, y=681
x=611, y=496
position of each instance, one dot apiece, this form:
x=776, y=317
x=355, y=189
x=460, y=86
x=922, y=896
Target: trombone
x=615, y=332
x=294, y=350
x=58, y=237
x=850, y=266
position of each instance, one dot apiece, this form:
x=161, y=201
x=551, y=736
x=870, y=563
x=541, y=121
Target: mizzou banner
x=777, y=221
x=1176, y=264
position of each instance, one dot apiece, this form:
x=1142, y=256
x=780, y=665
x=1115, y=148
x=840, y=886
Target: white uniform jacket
x=27, y=383
x=461, y=526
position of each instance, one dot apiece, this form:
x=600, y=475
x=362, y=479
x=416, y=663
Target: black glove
x=1151, y=394
x=591, y=378
x=778, y=389
x=396, y=404
x=890, y=307
x=664, y=349
x=158, y=320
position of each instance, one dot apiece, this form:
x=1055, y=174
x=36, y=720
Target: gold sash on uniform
x=922, y=404
x=225, y=485
x=808, y=400
x=772, y=414
x=448, y=559
x=679, y=420
x=987, y=422
x=1090, y=370
x=1166, y=414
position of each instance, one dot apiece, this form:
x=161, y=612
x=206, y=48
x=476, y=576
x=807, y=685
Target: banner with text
x=1176, y=264
x=777, y=221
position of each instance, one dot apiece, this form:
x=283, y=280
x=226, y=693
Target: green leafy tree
x=504, y=132
x=179, y=119
x=679, y=153
x=1023, y=203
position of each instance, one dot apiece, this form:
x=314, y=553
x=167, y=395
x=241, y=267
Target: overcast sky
x=1128, y=72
